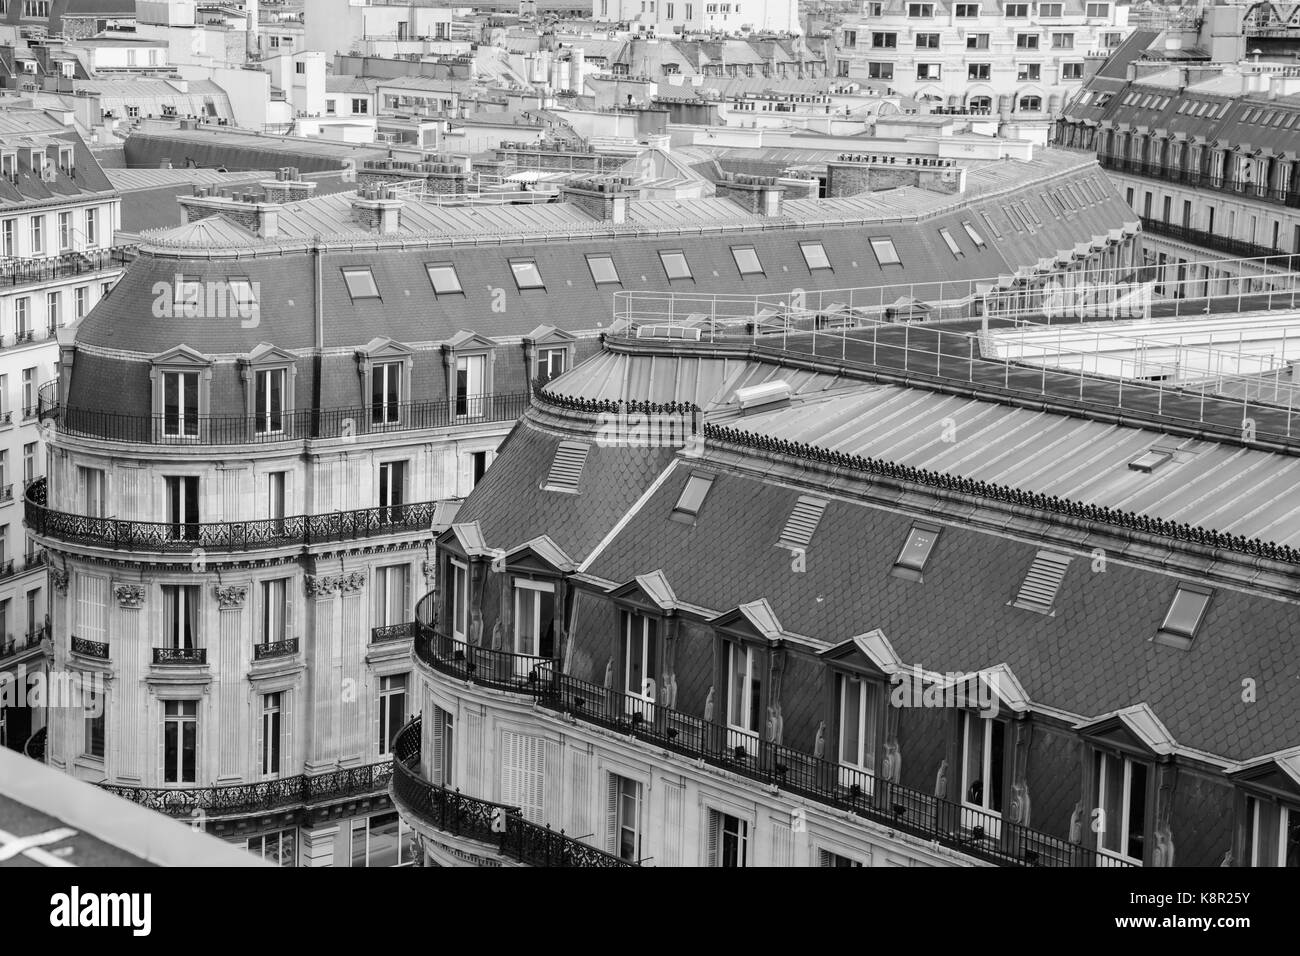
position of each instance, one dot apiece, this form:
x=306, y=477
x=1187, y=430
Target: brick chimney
x=760, y=195
x=287, y=186
x=254, y=212
x=603, y=198
x=376, y=211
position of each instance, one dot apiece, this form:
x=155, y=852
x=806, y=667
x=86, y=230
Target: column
x=317, y=847
x=230, y=657
x=325, y=677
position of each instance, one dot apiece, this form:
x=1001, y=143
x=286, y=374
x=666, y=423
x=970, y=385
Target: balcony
x=455, y=813
x=986, y=836
x=13, y=646
x=275, y=649
x=357, y=421
x=1199, y=180
x=17, y=272
x=87, y=648
x=392, y=632
x=180, y=656
x=162, y=537
x=1238, y=248
x=262, y=797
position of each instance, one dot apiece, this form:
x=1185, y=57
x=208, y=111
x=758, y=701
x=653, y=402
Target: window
x=675, y=265
x=1062, y=41
x=1016, y=11
x=551, y=363
x=692, y=497
x=977, y=41
x=38, y=235
x=746, y=260
x=920, y=11
x=80, y=301
x=1111, y=40
x=444, y=278
x=92, y=226
x=1049, y=11
x=180, y=404
x=65, y=231
x=814, y=256
x=858, y=702
x=95, y=704
x=268, y=401
x=728, y=844
x=180, y=741
x=23, y=318
x=1122, y=798
x=360, y=282
x=916, y=549
x=1026, y=41
x=392, y=710
x=1097, y=10
x=1184, y=617
x=927, y=41
x=978, y=71
x=526, y=274
x=10, y=237
x=278, y=848
x=966, y=11
x=850, y=38
x=603, y=270
x=331, y=107
x=623, y=818
x=471, y=373
x=880, y=71
x=1030, y=104
x=1071, y=71
x=458, y=601
x=523, y=774
x=744, y=692
x=975, y=237
x=180, y=616
x=392, y=489
x=299, y=67
x=640, y=644
x=29, y=392
x=478, y=467
x=29, y=463
x=886, y=254
x=884, y=41
x=827, y=858
x=928, y=71
x=983, y=742
x=276, y=482
x=360, y=107
x=1274, y=833
x=385, y=393
x=442, y=762
x=1029, y=72
x=382, y=840
x=90, y=491
x=183, y=507
x=534, y=620
x=275, y=605
x=269, y=732
x=951, y=243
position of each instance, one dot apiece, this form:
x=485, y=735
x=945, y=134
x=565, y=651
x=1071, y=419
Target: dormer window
x=640, y=636
x=1274, y=832
x=534, y=638
x=9, y=165
x=1121, y=797
x=180, y=404
x=385, y=368
x=744, y=685
x=982, y=761
x=858, y=707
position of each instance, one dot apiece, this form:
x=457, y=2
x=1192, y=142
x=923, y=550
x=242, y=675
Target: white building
x=673, y=16
x=339, y=26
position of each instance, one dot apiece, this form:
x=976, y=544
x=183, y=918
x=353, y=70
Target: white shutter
x=715, y=823
x=824, y=858
x=509, y=769
x=92, y=597
x=523, y=774
x=288, y=767
x=259, y=747
x=435, y=750
x=611, y=813
x=535, y=807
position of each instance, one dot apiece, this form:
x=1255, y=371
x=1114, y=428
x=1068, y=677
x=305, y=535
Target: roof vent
x=566, y=468
x=1042, y=582
x=763, y=396
x=1149, y=461
x=683, y=332
x=802, y=523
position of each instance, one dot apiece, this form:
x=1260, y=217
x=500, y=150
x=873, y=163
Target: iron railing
x=482, y=665
x=392, y=632
x=89, y=648
x=163, y=537
x=289, y=426
x=263, y=796
x=482, y=820
x=180, y=655
x=1200, y=180
x=263, y=652
x=12, y=646
x=30, y=271
x=1219, y=243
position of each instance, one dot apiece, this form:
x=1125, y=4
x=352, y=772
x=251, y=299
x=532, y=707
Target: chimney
x=760, y=195
x=377, y=212
x=604, y=198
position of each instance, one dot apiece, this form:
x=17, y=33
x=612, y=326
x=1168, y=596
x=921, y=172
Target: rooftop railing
x=14, y=272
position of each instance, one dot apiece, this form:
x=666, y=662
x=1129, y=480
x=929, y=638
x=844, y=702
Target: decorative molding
x=59, y=578
x=231, y=596
x=130, y=595
x=321, y=585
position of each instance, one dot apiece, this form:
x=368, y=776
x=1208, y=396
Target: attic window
x=814, y=255
x=975, y=237
x=886, y=254
x=566, y=467
x=361, y=282
x=675, y=265
x=444, y=278
x=603, y=270
x=1151, y=460
x=747, y=260
x=1039, y=588
x=526, y=273
x=802, y=523
x=1184, y=617
x=692, y=496
x=912, y=559
x=951, y=243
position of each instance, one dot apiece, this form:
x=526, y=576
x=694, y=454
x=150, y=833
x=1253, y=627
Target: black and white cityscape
x=646, y=433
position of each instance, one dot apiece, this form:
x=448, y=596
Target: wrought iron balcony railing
x=1212, y=240
x=29, y=271
x=162, y=537
x=180, y=655
x=10, y=646
x=356, y=421
x=87, y=648
x=392, y=632
x=483, y=665
x=1200, y=180
x=454, y=812
x=263, y=796
x=266, y=652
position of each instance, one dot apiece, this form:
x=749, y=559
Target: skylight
x=675, y=265
x=1184, y=617
x=603, y=270
x=802, y=523
x=692, y=497
x=886, y=254
x=814, y=255
x=1149, y=461
x=975, y=237
x=988, y=221
x=360, y=282
x=1041, y=583
x=920, y=542
x=746, y=260
x=952, y=243
x=526, y=273
x=444, y=279
x=566, y=467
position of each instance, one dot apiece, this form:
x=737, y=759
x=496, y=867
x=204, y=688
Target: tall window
x=23, y=318
x=92, y=226
x=181, y=404
x=385, y=392
x=459, y=600
x=275, y=484
x=640, y=644
x=728, y=844
x=95, y=704
x=183, y=507
x=858, y=707
x=180, y=740
x=442, y=764
x=392, y=487
x=392, y=710
x=11, y=237
x=534, y=620
x=1274, y=832
x=1122, y=799
x=270, y=734
x=469, y=384
x=623, y=800
x=392, y=585
x=54, y=310
x=550, y=363
x=90, y=491
x=982, y=745
x=65, y=231
x=180, y=616
x=268, y=401
x=38, y=235
x=744, y=691
x=29, y=392
x=275, y=605
x=29, y=463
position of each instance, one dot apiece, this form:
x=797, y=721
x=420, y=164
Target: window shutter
x=509, y=769
x=260, y=749
x=824, y=858
x=405, y=614
x=379, y=581
x=611, y=813
x=377, y=725
x=288, y=767
x=715, y=822
x=435, y=750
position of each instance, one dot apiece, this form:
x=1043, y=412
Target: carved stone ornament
x=323, y=584
x=130, y=595
x=59, y=578
x=231, y=596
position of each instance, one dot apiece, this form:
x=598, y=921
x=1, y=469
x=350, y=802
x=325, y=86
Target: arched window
x=1031, y=104
x=981, y=103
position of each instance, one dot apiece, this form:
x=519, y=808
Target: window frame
x=825, y=258
x=894, y=258
x=349, y=273
x=756, y=267
x=430, y=267
x=609, y=258
x=520, y=268
x=686, y=265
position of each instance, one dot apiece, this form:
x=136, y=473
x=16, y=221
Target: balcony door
x=470, y=381
x=183, y=507
x=858, y=710
x=744, y=693
x=982, y=755
x=534, y=624
x=640, y=638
